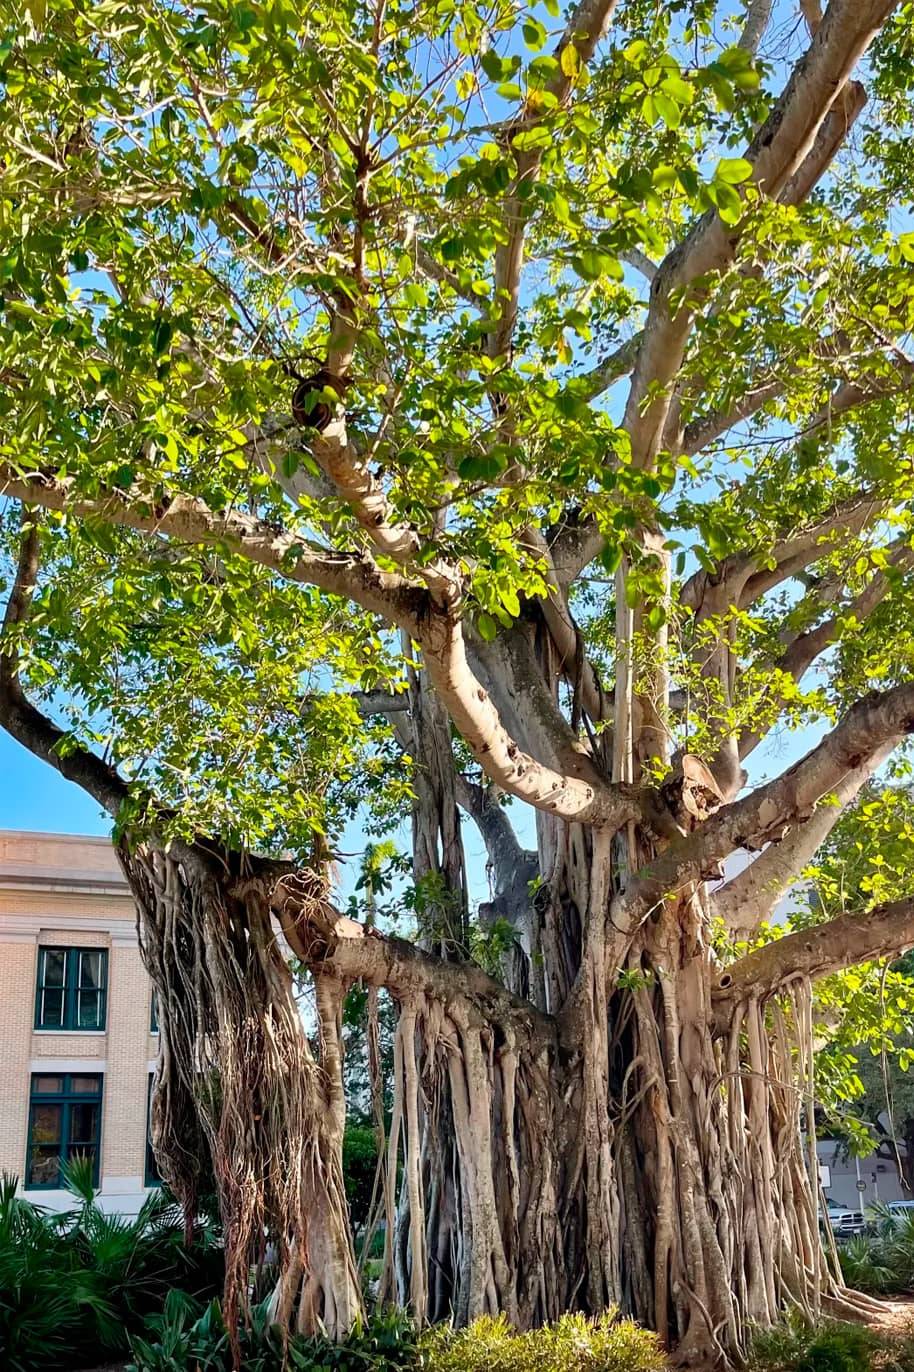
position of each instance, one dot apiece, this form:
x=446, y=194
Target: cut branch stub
x=690, y=793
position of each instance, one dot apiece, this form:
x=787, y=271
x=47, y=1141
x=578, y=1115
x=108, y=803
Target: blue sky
x=33, y=796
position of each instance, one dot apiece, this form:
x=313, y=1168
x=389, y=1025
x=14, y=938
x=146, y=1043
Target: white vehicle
x=899, y=1209
x=845, y=1223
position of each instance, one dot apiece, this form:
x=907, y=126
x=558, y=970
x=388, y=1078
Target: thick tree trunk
x=639, y=1139
x=649, y=1154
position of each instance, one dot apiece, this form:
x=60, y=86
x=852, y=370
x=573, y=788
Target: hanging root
x=236, y=1070
x=716, y=1155
x=478, y=1227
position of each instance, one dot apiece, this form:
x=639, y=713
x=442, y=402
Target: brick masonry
x=68, y=891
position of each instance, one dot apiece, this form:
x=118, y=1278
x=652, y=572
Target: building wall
x=65, y=891
x=878, y=1177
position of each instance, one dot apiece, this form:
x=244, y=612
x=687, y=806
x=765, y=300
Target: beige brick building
x=77, y=1040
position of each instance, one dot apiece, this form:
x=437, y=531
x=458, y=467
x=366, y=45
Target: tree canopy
x=460, y=407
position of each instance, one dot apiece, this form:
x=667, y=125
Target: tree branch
x=801, y=651
x=333, y=945
x=381, y=702
x=20, y=718
x=742, y=577
x=505, y=853
x=586, y=26
x=872, y=726
x=776, y=154
x=438, y=633
x=886, y=931
x=586, y=798
x=748, y=899
x=758, y=13
x=610, y=368
x=190, y=520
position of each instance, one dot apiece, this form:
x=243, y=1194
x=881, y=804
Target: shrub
x=607, y=1344
x=186, y=1338
x=360, y=1161
x=75, y=1284
x=863, y=1266
x=882, y=1262
x=833, y=1347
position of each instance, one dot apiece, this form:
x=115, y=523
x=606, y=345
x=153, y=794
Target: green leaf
x=415, y=294
x=481, y=466
x=537, y=137
x=570, y=60
x=487, y=627
x=534, y=33
x=733, y=170
x=592, y=264
x=668, y=110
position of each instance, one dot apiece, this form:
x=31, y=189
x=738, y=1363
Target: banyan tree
x=499, y=417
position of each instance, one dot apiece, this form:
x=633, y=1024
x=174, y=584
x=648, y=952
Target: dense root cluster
x=644, y=1152
x=237, y=1075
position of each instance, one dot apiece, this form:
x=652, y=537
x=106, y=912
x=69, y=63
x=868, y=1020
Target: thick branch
x=333, y=945
x=776, y=154
x=743, y=577
x=505, y=853
x=803, y=649
x=381, y=702
x=747, y=901
x=584, y=797
x=439, y=634
x=190, y=520
x=877, y=722
x=21, y=720
x=758, y=13
x=886, y=931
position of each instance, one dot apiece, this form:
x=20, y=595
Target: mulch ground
x=897, y=1316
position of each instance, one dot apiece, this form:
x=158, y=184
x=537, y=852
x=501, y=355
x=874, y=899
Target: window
x=152, y=1177
x=154, y=1013
x=72, y=988
x=65, y=1118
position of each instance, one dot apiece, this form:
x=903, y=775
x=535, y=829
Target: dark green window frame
x=75, y=1100
x=154, y=1013
x=62, y=992
x=151, y=1176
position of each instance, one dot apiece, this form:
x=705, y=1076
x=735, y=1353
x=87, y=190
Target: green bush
x=74, y=1286
x=186, y=1338
x=573, y=1344
x=864, y=1268
x=360, y=1161
x=799, y=1347
x=881, y=1262
x=796, y=1346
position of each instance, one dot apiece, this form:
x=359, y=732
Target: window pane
x=44, y=1166
x=83, y=1124
x=53, y=966
x=90, y=970
x=89, y=1010
x=81, y=1150
x=46, y=1122
x=47, y=1086
x=51, y=1012
x=85, y=1086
